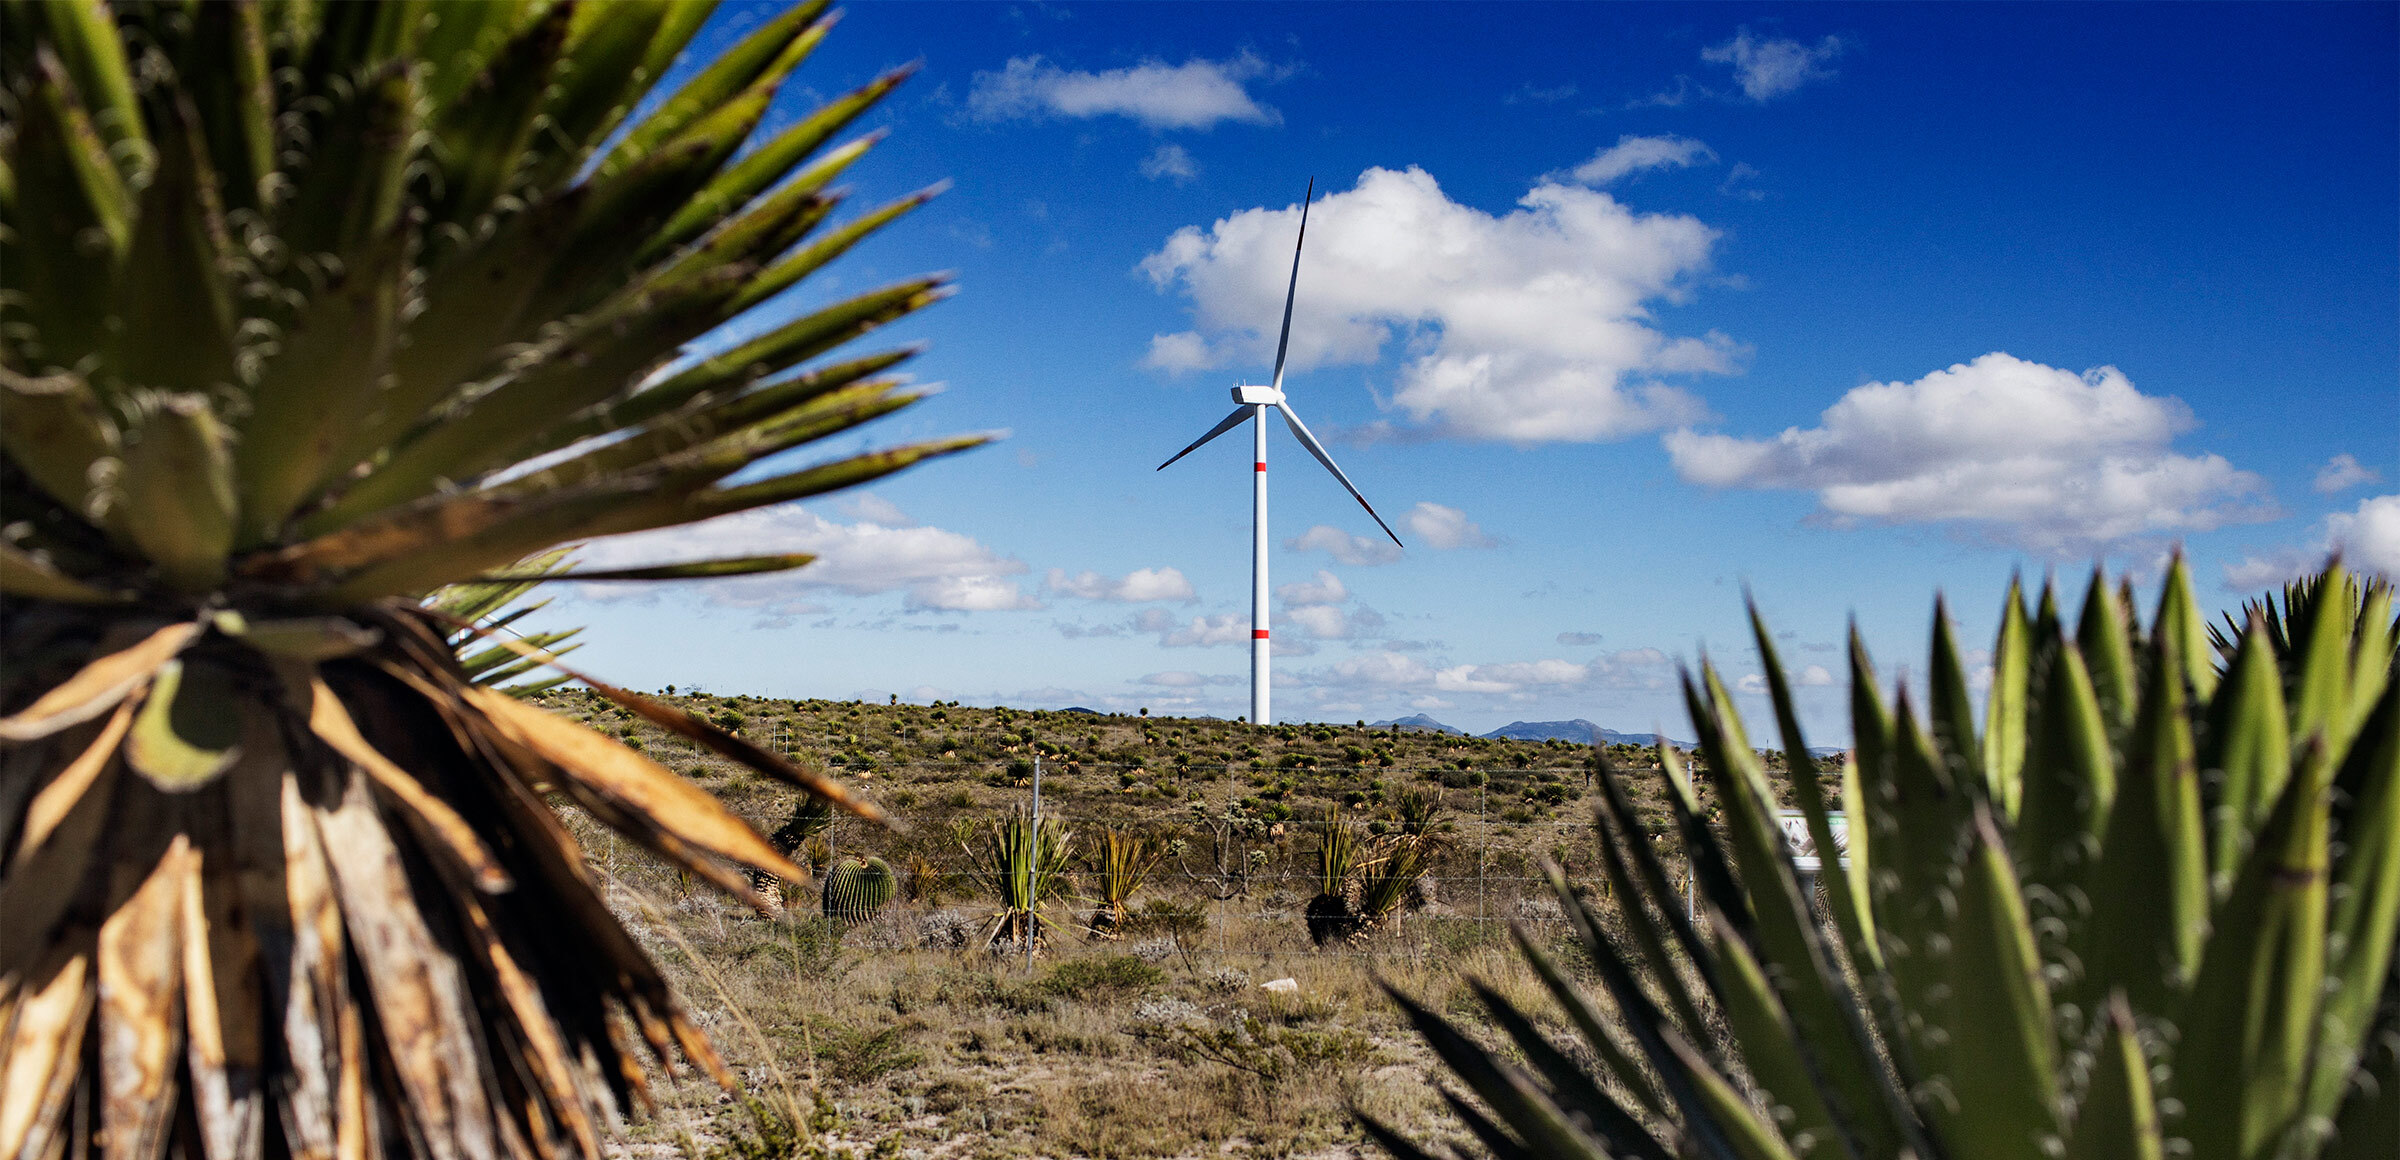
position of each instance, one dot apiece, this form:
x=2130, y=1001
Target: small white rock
x=1281, y=986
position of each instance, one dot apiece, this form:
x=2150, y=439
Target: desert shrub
x=1101, y=974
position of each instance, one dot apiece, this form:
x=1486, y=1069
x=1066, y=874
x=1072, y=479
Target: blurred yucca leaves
x=2144, y=906
x=306, y=311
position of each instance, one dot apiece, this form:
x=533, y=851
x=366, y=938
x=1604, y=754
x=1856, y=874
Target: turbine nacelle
x=1252, y=396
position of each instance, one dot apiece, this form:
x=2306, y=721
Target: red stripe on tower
x=1258, y=467
x=1258, y=634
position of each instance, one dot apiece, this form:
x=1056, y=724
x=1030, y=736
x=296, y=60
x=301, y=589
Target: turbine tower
x=1253, y=403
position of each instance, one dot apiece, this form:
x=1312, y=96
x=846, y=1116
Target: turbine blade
x=1300, y=430
x=1231, y=421
x=1292, y=291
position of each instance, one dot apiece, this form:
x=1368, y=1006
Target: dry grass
x=881, y=1041
x=1092, y=1053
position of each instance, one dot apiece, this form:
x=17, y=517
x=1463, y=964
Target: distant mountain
x=1082, y=710
x=1579, y=731
x=1420, y=723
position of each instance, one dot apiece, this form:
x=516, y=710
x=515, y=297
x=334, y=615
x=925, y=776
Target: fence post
x=1035, y=862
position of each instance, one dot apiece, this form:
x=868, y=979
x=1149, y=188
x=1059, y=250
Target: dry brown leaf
x=324, y=1108
x=141, y=1016
x=431, y=815
x=46, y=1030
x=221, y=1002
x=421, y=1001
x=644, y=786
x=552, y=1066
x=100, y=685
x=37, y=890
x=50, y=806
x=690, y=726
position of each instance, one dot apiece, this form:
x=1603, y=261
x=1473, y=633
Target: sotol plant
x=307, y=310
x=2147, y=909
x=1023, y=863
x=1123, y=862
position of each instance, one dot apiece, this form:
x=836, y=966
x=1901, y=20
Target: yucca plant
x=1123, y=862
x=810, y=818
x=1332, y=913
x=2146, y=909
x=1023, y=863
x=307, y=310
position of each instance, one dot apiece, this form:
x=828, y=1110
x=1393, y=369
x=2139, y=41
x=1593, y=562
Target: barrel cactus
x=2144, y=907
x=857, y=889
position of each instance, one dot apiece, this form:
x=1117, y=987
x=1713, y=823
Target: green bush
x=1101, y=973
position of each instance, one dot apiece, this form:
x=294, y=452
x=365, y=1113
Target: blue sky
x=1610, y=309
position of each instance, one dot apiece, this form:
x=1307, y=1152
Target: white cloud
x=1325, y=588
x=1509, y=677
x=2042, y=457
x=1446, y=528
x=874, y=509
x=938, y=569
x=1178, y=679
x=1344, y=547
x=1767, y=69
x=1139, y=586
x=1814, y=677
x=1170, y=161
x=1633, y=154
x=2368, y=539
x=1530, y=326
x=2344, y=472
x=969, y=594
x=1320, y=621
x=1196, y=94
x=1204, y=631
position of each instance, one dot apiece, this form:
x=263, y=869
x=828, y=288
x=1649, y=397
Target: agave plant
x=2147, y=909
x=310, y=310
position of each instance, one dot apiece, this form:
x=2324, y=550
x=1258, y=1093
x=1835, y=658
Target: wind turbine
x=1253, y=403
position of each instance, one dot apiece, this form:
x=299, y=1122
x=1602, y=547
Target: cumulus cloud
x=938, y=570
x=1345, y=547
x=1769, y=68
x=1139, y=586
x=874, y=509
x=1196, y=94
x=1633, y=154
x=2343, y=472
x=1203, y=631
x=1446, y=528
x=1324, y=588
x=2368, y=538
x=1320, y=621
x=1530, y=326
x=1170, y=161
x=2029, y=454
